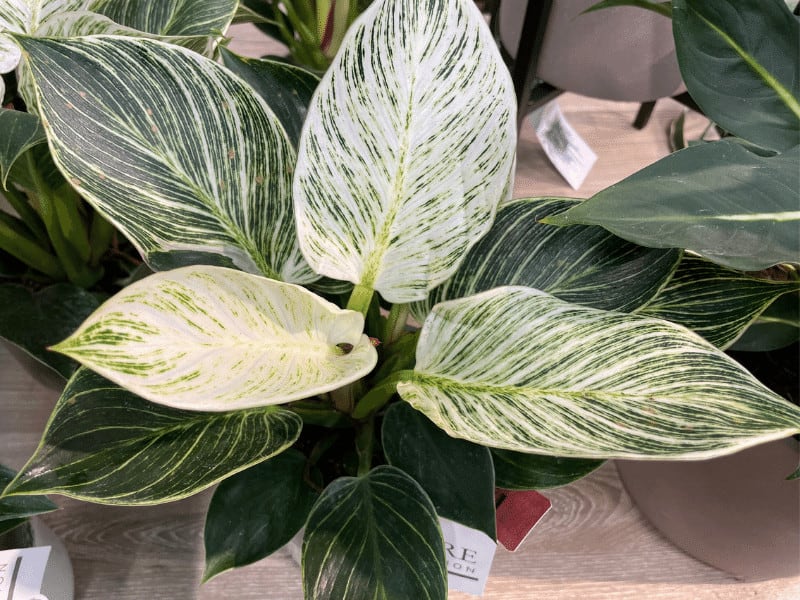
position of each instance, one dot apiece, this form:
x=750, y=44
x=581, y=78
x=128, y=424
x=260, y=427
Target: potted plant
x=736, y=512
x=59, y=257
x=322, y=409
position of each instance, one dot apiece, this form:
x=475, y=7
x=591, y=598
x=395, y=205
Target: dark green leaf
x=775, y=328
x=739, y=61
x=106, y=445
x=375, y=536
x=255, y=512
x=662, y=8
x=33, y=321
x=716, y=302
x=170, y=17
x=14, y=511
x=21, y=131
x=583, y=265
x=722, y=200
x=285, y=88
x=521, y=471
x=456, y=474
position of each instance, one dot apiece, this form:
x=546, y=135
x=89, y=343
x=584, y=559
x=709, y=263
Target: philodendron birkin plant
x=272, y=348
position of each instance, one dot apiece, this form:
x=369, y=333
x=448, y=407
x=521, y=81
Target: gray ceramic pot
x=737, y=513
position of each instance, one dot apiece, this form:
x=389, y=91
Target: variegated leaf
x=103, y=444
x=518, y=369
x=407, y=148
x=182, y=156
x=15, y=16
x=21, y=131
x=169, y=17
x=716, y=302
x=210, y=338
x=585, y=265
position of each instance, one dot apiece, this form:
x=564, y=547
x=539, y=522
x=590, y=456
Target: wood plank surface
x=593, y=544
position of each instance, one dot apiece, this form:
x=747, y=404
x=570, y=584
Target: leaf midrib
x=767, y=77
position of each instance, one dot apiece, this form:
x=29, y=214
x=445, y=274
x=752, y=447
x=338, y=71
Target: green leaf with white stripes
x=739, y=60
x=407, y=148
x=518, y=369
x=583, y=265
x=179, y=154
x=286, y=88
x=14, y=511
x=169, y=17
x=722, y=200
x=21, y=131
x=716, y=302
x=106, y=445
x=375, y=536
x=15, y=16
x=213, y=339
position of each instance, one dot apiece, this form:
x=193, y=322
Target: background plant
x=543, y=351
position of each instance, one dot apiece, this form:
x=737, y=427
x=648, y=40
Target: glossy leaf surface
x=21, y=131
x=14, y=511
x=256, y=512
x=33, y=321
x=458, y=476
x=210, y=338
x=739, y=60
x=287, y=89
x=515, y=368
x=375, y=536
x=178, y=153
x=725, y=202
x=716, y=302
x=407, y=149
x=583, y=265
x=522, y=471
x=106, y=445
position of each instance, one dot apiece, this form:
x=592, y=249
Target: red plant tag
x=517, y=513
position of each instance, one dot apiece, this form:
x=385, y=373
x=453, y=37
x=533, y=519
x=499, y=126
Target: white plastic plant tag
x=22, y=572
x=469, y=555
x=567, y=150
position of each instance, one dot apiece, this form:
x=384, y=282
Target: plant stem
x=29, y=216
x=365, y=443
x=100, y=236
x=378, y=396
x=360, y=299
x=66, y=203
x=29, y=252
x=77, y=271
x=395, y=323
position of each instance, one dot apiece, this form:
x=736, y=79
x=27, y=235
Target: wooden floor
x=593, y=544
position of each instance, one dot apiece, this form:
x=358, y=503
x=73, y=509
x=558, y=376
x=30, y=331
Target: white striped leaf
x=210, y=338
x=518, y=369
x=375, y=536
x=407, y=148
x=716, y=302
x=179, y=154
x=721, y=200
x=14, y=17
x=584, y=265
x=106, y=445
x=169, y=17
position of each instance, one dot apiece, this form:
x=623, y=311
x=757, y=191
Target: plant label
x=569, y=153
x=469, y=555
x=518, y=512
x=22, y=572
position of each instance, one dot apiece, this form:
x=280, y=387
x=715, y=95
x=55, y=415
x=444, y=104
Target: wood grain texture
x=592, y=545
